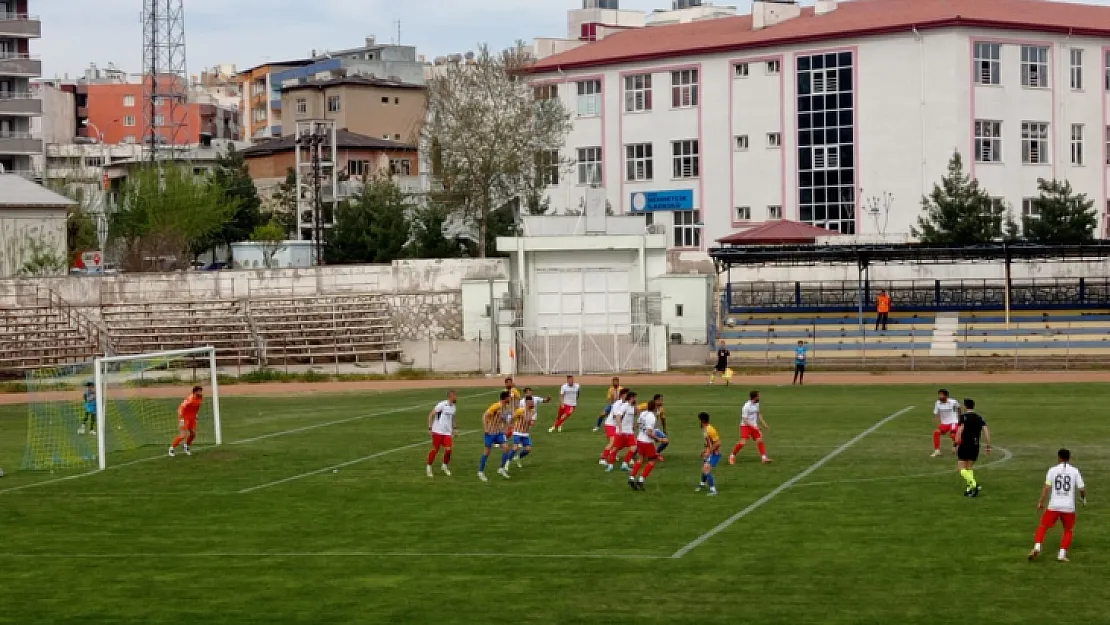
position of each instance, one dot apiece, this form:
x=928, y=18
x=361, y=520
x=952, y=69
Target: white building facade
x=820, y=115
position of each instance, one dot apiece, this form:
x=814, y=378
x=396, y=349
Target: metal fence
x=583, y=351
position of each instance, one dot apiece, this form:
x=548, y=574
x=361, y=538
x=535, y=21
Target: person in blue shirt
x=90, y=409
x=799, y=363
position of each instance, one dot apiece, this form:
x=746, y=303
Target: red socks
x=1065, y=542
x=432, y=455
x=629, y=455
x=189, y=441
x=177, y=441
x=636, y=467
x=762, y=449
x=739, y=446
x=447, y=456
x=648, y=469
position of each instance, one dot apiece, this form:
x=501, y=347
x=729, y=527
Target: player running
x=187, y=420
x=947, y=413
x=441, y=424
x=972, y=427
x=625, y=437
x=524, y=418
x=1063, y=480
x=611, y=424
x=799, y=364
x=751, y=416
x=493, y=426
x=90, y=409
x=646, y=438
x=568, y=402
x=610, y=397
x=722, y=365
x=710, y=456
x=660, y=414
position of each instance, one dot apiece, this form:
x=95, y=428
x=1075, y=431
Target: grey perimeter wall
x=422, y=316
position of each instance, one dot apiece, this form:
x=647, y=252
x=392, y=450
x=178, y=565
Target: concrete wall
x=691, y=293
x=24, y=230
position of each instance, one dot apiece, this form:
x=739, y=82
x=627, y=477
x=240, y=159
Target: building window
x=638, y=162
x=1034, y=143
x=679, y=309
x=1077, y=144
x=988, y=141
x=129, y=139
x=129, y=121
x=743, y=213
x=1076, y=68
x=397, y=137
x=1029, y=209
x=637, y=93
x=547, y=168
x=334, y=104
x=740, y=70
x=385, y=100
x=684, y=88
x=774, y=67
x=358, y=169
x=687, y=230
x=396, y=101
x=589, y=166
x=988, y=63
x=542, y=93
x=129, y=101
x=259, y=115
x=589, y=98
x=1108, y=145
x=159, y=121
x=686, y=158
x=774, y=140
x=400, y=167
x=1034, y=66
x=774, y=212
x=1106, y=72
x=741, y=142
x=302, y=105
x=826, y=141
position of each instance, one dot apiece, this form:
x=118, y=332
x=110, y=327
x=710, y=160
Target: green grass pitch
x=879, y=534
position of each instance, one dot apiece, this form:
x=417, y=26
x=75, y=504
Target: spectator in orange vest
x=883, y=308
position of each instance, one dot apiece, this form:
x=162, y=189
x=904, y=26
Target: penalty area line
x=697, y=542
x=334, y=554
x=96, y=471
x=336, y=467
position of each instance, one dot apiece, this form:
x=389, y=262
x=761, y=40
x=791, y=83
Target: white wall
x=23, y=230
x=477, y=296
x=692, y=293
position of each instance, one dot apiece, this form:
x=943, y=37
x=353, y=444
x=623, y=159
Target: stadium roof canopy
x=907, y=254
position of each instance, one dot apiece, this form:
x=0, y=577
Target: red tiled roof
x=778, y=232
x=850, y=19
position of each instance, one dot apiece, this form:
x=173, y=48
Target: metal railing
x=94, y=329
x=18, y=95
x=19, y=17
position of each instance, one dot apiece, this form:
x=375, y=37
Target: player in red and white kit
x=625, y=437
x=751, y=417
x=947, y=413
x=568, y=402
x=1063, y=480
x=441, y=424
x=611, y=424
x=646, y=438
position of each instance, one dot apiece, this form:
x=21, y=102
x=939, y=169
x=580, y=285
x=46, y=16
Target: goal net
x=91, y=414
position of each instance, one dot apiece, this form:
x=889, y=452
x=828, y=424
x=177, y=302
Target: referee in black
x=972, y=428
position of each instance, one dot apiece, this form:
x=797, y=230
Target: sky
x=78, y=32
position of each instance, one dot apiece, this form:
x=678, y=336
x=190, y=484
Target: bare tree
x=489, y=135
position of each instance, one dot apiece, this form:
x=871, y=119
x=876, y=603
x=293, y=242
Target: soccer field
x=317, y=510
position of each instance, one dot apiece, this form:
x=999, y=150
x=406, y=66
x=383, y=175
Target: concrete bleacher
x=166, y=326
x=44, y=334
x=325, y=329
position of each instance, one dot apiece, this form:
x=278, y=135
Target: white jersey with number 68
x=1064, y=481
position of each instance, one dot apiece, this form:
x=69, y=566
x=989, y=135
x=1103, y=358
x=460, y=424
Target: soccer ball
x=730, y=322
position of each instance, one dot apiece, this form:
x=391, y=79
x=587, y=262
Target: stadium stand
x=318, y=329
x=47, y=333
x=164, y=326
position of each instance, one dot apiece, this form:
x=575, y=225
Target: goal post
x=102, y=412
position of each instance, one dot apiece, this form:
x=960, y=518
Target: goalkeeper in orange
x=187, y=420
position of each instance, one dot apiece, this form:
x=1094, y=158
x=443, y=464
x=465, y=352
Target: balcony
x=20, y=64
x=20, y=104
x=20, y=26
x=19, y=143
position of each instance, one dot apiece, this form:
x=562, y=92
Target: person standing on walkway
x=882, y=306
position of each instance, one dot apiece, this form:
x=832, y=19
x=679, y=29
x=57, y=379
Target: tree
x=428, y=237
x=487, y=132
x=165, y=212
x=41, y=260
x=282, y=207
x=372, y=227
x=233, y=177
x=271, y=237
x=1060, y=215
x=81, y=234
x=959, y=211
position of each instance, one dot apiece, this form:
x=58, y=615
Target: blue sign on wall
x=651, y=201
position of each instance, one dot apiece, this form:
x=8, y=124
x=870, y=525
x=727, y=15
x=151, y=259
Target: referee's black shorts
x=967, y=453
x=721, y=367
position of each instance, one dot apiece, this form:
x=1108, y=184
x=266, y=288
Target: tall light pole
x=314, y=141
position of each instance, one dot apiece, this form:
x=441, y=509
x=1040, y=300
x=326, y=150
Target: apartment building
x=114, y=112
x=372, y=107
x=20, y=148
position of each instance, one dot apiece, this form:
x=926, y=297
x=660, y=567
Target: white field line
x=347, y=420
x=88, y=473
x=1007, y=455
x=330, y=554
x=342, y=465
x=694, y=544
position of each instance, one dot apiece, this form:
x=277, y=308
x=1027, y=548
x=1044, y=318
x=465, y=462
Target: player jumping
x=523, y=419
x=1063, y=480
x=441, y=424
x=625, y=437
x=568, y=402
x=947, y=413
x=90, y=409
x=187, y=420
x=493, y=425
x=972, y=426
x=646, y=439
x=751, y=416
x=611, y=416
x=710, y=456
x=610, y=397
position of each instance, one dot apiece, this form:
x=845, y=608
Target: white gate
x=583, y=351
